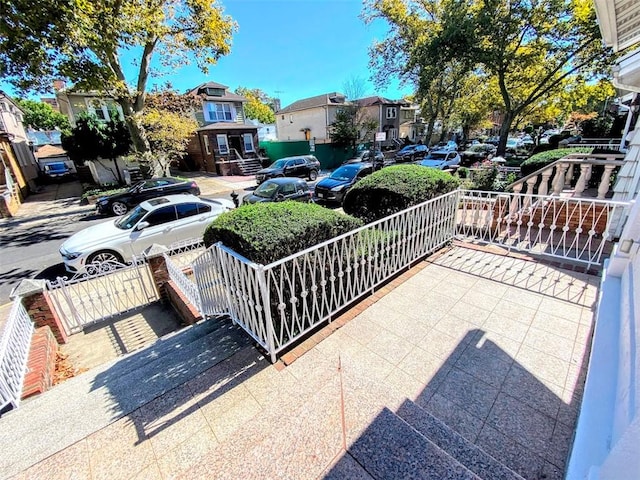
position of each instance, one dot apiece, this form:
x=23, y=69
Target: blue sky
x=292, y=49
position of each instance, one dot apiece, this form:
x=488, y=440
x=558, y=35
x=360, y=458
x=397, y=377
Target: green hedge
x=396, y=188
x=542, y=159
x=266, y=232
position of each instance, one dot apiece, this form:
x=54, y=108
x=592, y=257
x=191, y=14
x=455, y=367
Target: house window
x=290, y=118
x=98, y=108
x=215, y=92
x=408, y=115
x=205, y=139
x=248, y=142
x=391, y=112
x=392, y=134
x=223, y=144
x=220, y=112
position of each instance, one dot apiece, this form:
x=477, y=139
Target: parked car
x=304, y=166
x=280, y=189
x=56, y=171
x=495, y=140
x=449, y=146
x=515, y=146
x=411, y=153
x=121, y=203
x=477, y=153
x=367, y=156
x=162, y=220
x=335, y=186
x=441, y=159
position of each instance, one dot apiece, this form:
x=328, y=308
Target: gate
x=104, y=292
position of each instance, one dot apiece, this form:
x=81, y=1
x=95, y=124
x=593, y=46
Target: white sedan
x=441, y=159
x=162, y=220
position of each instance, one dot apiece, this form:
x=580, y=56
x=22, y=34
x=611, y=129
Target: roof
x=50, y=151
x=333, y=98
x=228, y=126
x=618, y=21
x=228, y=96
x=377, y=100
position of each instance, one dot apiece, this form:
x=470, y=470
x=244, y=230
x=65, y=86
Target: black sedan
x=120, y=203
x=477, y=153
x=279, y=190
x=334, y=187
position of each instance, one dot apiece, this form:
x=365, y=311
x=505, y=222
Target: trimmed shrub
x=542, y=159
x=396, y=188
x=266, y=232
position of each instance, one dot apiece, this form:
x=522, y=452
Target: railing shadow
x=516, y=415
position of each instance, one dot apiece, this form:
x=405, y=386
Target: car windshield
x=436, y=156
x=127, y=222
x=344, y=173
x=136, y=186
x=278, y=164
x=266, y=190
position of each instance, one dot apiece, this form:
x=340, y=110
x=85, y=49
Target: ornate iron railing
x=576, y=229
x=184, y=252
x=188, y=288
x=15, y=342
x=279, y=303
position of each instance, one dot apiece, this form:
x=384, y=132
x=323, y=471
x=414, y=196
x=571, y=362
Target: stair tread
x=389, y=449
x=468, y=454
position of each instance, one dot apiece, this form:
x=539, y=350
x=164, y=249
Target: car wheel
x=313, y=175
x=119, y=208
x=104, y=256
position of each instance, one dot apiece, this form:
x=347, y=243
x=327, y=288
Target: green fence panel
x=329, y=155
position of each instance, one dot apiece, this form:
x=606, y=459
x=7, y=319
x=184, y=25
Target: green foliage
x=542, y=159
x=259, y=107
x=396, y=188
x=102, y=191
x=266, y=232
x=41, y=116
x=484, y=178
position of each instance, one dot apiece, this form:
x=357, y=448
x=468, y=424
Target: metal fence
x=576, y=229
x=15, y=342
x=279, y=303
x=183, y=282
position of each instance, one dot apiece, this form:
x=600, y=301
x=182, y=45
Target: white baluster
x=543, y=189
x=582, y=181
x=603, y=188
x=515, y=200
x=568, y=177
x=531, y=182
x=558, y=180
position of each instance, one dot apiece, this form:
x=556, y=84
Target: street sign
x=381, y=136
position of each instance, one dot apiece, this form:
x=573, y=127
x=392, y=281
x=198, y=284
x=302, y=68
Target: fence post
x=155, y=256
x=266, y=307
x=38, y=305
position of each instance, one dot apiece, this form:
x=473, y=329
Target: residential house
x=412, y=126
x=71, y=103
x=19, y=166
x=309, y=118
x=388, y=115
x=223, y=144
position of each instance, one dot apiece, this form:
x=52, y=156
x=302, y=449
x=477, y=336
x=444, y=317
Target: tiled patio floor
x=495, y=347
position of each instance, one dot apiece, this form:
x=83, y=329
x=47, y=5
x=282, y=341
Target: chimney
x=58, y=85
x=276, y=104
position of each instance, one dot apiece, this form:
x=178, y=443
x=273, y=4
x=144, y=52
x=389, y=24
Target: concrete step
x=91, y=401
x=466, y=453
x=390, y=449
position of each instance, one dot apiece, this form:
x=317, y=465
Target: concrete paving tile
x=582, y=346
x=562, y=309
x=72, y=462
x=446, y=346
x=367, y=363
x=232, y=418
x=314, y=368
x=458, y=329
x=549, y=343
x=391, y=347
x=546, y=368
x=151, y=472
x=363, y=330
x=522, y=298
x=345, y=467
x=523, y=385
x=520, y=422
x=403, y=384
x=453, y=291
x=506, y=326
x=576, y=378
x=514, y=311
x=489, y=288
x=267, y=384
x=483, y=365
x=570, y=408
x=456, y=417
x=468, y=392
x=499, y=346
x=587, y=317
x=424, y=366
x=462, y=279
x=551, y=472
x=479, y=300
x=179, y=459
x=554, y=324
x=559, y=446
x=515, y=456
x=411, y=329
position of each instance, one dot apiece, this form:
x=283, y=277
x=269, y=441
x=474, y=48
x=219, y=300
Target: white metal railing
x=280, y=302
x=576, y=229
x=182, y=281
x=15, y=342
x=184, y=252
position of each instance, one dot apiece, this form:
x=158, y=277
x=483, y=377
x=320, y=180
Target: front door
x=235, y=143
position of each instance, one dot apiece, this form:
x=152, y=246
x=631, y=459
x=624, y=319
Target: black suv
x=279, y=190
x=304, y=166
x=334, y=187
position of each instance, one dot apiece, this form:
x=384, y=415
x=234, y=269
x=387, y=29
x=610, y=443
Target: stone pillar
x=38, y=305
x=158, y=267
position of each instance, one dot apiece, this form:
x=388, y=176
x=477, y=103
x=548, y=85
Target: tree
x=85, y=43
x=530, y=48
x=260, y=106
x=41, y=116
x=353, y=124
x=92, y=139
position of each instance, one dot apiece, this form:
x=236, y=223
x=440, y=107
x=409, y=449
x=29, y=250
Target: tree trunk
x=504, y=133
x=429, y=133
x=138, y=137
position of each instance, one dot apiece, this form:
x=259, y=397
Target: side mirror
x=141, y=226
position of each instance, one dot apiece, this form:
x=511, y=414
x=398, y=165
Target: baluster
x=605, y=180
x=526, y=201
x=515, y=200
x=582, y=181
x=568, y=177
x=543, y=189
x=558, y=180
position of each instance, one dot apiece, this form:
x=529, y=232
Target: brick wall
x=160, y=273
x=187, y=312
x=42, y=313
x=41, y=364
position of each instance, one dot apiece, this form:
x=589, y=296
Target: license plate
x=320, y=195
